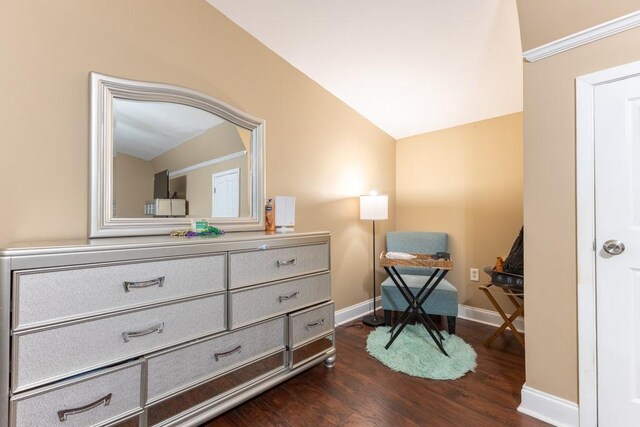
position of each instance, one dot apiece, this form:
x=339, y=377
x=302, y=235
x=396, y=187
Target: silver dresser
x=158, y=330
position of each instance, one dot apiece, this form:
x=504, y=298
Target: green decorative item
x=199, y=226
x=414, y=353
x=207, y=231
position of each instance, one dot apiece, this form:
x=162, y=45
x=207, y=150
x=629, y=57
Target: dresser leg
x=330, y=361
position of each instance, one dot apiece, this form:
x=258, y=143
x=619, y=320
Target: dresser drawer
x=178, y=368
x=47, y=296
x=94, y=399
x=311, y=323
x=249, y=268
x=174, y=410
x=260, y=302
x=311, y=350
x=49, y=354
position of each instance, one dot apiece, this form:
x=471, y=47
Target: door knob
x=613, y=247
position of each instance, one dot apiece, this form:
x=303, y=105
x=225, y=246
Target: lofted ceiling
x=410, y=67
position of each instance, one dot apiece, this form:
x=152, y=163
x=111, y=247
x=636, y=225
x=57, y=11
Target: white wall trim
x=488, y=317
x=480, y=315
x=589, y=35
x=356, y=311
x=184, y=171
x=585, y=227
x=548, y=408
x=585, y=218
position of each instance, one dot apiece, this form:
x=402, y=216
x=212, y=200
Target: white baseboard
x=488, y=317
x=356, y=311
x=549, y=408
x=467, y=312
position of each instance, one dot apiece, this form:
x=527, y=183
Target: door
x=226, y=194
x=617, y=223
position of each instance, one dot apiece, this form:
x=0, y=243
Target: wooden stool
x=516, y=295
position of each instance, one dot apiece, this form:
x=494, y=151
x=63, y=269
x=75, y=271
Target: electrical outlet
x=474, y=275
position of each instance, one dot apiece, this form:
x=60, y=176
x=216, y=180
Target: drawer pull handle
x=137, y=285
x=238, y=349
x=62, y=415
x=288, y=297
x=263, y=247
x=291, y=261
x=320, y=322
x=158, y=328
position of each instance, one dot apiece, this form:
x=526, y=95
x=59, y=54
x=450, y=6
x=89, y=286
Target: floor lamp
x=374, y=207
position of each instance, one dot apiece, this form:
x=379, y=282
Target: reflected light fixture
x=374, y=207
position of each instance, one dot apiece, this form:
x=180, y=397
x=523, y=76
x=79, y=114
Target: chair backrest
x=419, y=242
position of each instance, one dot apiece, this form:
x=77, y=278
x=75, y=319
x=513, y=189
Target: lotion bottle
x=269, y=216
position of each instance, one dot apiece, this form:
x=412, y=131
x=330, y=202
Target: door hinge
x=594, y=246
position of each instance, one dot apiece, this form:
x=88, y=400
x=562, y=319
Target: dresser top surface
x=142, y=242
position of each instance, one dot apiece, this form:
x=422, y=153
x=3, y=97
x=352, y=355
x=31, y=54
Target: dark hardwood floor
x=360, y=391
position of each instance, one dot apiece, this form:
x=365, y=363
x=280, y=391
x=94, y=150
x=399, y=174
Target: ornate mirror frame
x=102, y=222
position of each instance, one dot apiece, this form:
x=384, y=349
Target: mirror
x=162, y=155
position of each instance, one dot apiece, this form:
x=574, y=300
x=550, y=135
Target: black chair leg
x=451, y=325
x=387, y=317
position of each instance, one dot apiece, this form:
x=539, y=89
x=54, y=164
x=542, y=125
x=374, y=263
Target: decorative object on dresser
x=374, y=207
x=285, y=213
x=160, y=330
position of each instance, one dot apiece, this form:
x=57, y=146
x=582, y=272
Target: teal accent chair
x=444, y=299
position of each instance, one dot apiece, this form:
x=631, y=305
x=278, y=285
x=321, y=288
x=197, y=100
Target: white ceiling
x=410, y=66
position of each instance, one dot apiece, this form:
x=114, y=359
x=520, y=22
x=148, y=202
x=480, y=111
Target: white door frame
x=585, y=249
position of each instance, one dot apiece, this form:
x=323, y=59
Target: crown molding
x=589, y=35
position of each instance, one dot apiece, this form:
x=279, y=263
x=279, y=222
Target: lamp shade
x=374, y=207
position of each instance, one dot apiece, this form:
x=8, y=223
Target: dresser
x=158, y=331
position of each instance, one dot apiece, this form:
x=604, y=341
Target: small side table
x=516, y=295
x=414, y=308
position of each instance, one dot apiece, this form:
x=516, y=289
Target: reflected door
x=617, y=184
x=226, y=194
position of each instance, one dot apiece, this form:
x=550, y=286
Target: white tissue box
x=285, y=212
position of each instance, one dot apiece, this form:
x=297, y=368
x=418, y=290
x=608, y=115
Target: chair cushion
x=417, y=242
x=443, y=300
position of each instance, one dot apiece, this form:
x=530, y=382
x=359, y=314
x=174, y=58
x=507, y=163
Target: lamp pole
x=373, y=319
x=374, y=207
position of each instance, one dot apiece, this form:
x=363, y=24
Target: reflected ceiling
x=141, y=128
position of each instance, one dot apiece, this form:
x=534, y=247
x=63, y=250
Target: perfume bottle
x=269, y=216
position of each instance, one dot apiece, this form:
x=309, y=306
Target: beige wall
x=216, y=142
x=544, y=21
x=133, y=185
x=549, y=209
x=318, y=149
x=466, y=181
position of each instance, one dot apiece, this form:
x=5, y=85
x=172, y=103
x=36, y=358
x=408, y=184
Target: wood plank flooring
x=360, y=391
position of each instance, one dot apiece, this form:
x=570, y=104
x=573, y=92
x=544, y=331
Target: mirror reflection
x=163, y=154
x=174, y=160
